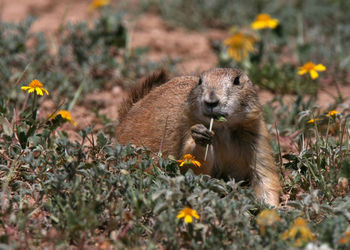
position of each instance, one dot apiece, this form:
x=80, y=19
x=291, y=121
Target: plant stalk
x=210, y=129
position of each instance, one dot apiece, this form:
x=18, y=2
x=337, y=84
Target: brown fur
x=138, y=91
x=168, y=117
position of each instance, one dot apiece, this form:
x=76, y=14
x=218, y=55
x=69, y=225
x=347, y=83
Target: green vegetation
x=92, y=192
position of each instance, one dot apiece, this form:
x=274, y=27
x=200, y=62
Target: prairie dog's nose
x=211, y=101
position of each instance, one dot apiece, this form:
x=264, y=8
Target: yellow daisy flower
x=312, y=69
x=332, y=113
x=98, y=4
x=267, y=217
x=36, y=86
x=239, y=45
x=188, y=214
x=189, y=159
x=299, y=232
x=66, y=115
x=263, y=21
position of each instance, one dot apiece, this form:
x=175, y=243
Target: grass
x=92, y=192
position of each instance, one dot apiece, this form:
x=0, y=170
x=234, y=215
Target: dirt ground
x=192, y=48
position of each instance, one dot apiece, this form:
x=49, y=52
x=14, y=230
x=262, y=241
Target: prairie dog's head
x=227, y=93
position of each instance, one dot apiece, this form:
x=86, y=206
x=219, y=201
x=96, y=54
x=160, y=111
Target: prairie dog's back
x=154, y=120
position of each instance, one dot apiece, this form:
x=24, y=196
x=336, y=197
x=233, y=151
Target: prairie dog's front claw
x=201, y=135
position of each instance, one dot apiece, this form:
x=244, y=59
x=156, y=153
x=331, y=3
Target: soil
x=192, y=49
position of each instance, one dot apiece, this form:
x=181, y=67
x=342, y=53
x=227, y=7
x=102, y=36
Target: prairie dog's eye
x=200, y=81
x=236, y=81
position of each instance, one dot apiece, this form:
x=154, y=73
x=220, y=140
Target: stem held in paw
x=210, y=129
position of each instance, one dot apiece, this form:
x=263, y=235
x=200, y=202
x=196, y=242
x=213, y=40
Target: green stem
x=34, y=106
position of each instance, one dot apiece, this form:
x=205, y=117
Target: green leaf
x=22, y=137
x=221, y=119
x=101, y=140
x=345, y=169
x=6, y=126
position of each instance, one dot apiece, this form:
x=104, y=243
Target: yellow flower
x=313, y=120
x=187, y=213
x=36, y=86
x=66, y=115
x=312, y=69
x=263, y=21
x=332, y=113
x=98, y=4
x=299, y=232
x=265, y=218
x=189, y=159
x=239, y=45
x=345, y=239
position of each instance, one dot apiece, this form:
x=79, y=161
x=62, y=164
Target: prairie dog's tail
x=138, y=91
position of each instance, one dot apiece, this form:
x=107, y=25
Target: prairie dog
x=174, y=118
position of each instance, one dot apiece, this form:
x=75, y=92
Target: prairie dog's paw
x=201, y=135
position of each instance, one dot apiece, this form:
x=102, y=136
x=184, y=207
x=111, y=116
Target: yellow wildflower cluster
x=239, y=45
x=187, y=213
x=331, y=113
x=37, y=87
x=299, y=232
x=189, y=159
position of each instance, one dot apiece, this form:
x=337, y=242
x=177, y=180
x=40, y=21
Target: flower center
x=188, y=157
x=35, y=84
x=263, y=17
x=238, y=41
x=309, y=66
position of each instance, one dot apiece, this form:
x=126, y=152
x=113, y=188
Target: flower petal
x=196, y=163
x=195, y=214
x=39, y=91
x=257, y=25
x=24, y=88
x=302, y=71
x=188, y=219
x=320, y=67
x=181, y=214
x=273, y=23
x=313, y=74
x=236, y=54
x=47, y=92
x=228, y=41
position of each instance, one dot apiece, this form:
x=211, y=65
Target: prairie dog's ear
x=244, y=78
